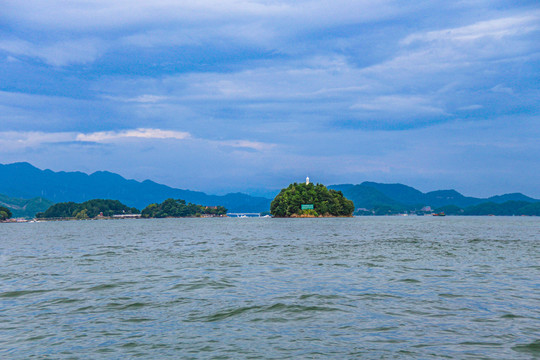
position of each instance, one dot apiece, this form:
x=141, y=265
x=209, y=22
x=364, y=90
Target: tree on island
x=5, y=213
x=86, y=210
x=288, y=203
x=179, y=208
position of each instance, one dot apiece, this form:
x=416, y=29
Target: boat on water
x=439, y=214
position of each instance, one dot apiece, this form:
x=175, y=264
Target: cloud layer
x=238, y=94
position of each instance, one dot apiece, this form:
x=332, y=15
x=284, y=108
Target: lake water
x=348, y=288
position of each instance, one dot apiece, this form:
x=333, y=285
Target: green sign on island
x=307, y=206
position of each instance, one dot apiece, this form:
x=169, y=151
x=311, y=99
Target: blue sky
x=237, y=95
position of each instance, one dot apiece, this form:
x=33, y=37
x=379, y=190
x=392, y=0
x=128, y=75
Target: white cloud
x=470, y=107
x=434, y=53
x=264, y=24
x=313, y=77
x=161, y=37
x=255, y=145
x=147, y=98
x=11, y=59
x=16, y=140
x=111, y=136
x=495, y=29
x=12, y=140
x=140, y=99
x=106, y=15
x=500, y=88
x=399, y=104
x=250, y=74
x=60, y=53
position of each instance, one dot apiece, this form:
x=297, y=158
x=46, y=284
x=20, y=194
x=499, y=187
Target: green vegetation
x=394, y=199
x=508, y=208
x=449, y=210
x=86, y=210
x=391, y=199
x=179, y=208
x=24, y=208
x=388, y=210
x=530, y=209
x=5, y=213
x=288, y=203
x=25, y=180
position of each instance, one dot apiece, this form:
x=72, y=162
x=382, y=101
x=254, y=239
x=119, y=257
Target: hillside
x=395, y=198
x=25, y=208
x=508, y=208
x=28, y=189
x=26, y=181
x=400, y=193
x=365, y=196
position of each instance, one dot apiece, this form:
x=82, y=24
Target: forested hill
x=26, y=181
x=25, y=208
x=368, y=194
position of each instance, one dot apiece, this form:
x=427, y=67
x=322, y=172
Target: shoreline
x=36, y=220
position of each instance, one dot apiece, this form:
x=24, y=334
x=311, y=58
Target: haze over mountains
x=22, y=180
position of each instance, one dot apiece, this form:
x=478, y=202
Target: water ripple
x=404, y=288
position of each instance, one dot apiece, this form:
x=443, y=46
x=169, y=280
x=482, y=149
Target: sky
x=245, y=95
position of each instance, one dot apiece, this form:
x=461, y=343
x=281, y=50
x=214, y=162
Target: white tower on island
x=307, y=180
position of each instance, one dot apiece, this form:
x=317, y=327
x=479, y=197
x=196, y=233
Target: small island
x=310, y=200
x=179, y=208
x=114, y=209
x=91, y=209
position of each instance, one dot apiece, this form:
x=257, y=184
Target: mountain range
x=369, y=195
x=20, y=181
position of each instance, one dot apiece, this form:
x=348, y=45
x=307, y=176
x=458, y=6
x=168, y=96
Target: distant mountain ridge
x=370, y=194
x=23, y=180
